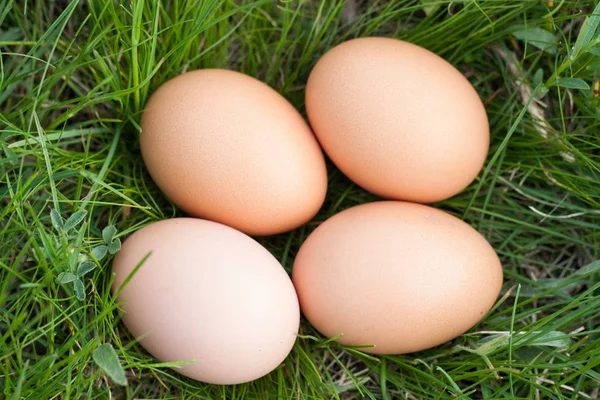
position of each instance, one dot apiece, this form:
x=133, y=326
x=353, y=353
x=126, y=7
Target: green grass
x=74, y=79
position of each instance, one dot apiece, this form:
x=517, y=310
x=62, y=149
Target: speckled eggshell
x=210, y=294
x=400, y=276
x=227, y=147
x=397, y=119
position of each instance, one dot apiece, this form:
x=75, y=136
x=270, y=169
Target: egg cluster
x=388, y=277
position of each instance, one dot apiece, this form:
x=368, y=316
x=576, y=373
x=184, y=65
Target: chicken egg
x=226, y=147
x=401, y=277
x=208, y=294
x=397, y=119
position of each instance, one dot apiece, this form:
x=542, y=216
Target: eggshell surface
x=400, y=276
x=226, y=147
x=397, y=119
x=210, y=294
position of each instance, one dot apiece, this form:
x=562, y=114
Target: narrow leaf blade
x=588, y=269
x=538, y=77
x=551, y=339
x=538, y=37
x=594, y=50
x=583, y=38
x=572, y=83
x=106, y=358
x=587, y=31
x=11, y=156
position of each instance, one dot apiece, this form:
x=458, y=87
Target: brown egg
x=226, y=147
x=208, y=294
x=400, y=276
x=397, y=119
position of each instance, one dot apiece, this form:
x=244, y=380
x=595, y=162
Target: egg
x=226, y=147
x=399, y=276
x=208, y=294
x=397, y=119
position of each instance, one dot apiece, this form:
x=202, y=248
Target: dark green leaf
x=538, y=37
x=10, y=35
x=66, y=277
x=493, y=344
x=75, y=220
x=57, y=221
x=595, y=51
x=551, y=339
x=79, y=289
x=109, y=233
x=11, y=156
x=538, y=77
x=535, y=338
x=588, y=269
x=47, y=251
x=587, y=31
x=582, y=38
x=560, y=288
x=595, y=65
x=572, y=83
x=106, y=358
x=85, y=267
x=541, y=92
x=114, y=246
x=99, y=252
x=530, y=354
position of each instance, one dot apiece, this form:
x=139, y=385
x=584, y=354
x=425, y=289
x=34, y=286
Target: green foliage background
x=74, y=79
